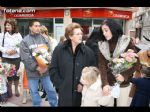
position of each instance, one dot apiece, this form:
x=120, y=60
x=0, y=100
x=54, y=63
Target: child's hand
x=79, y=88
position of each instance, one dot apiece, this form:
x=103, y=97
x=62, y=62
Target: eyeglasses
x=37, y=25
x=78, y=34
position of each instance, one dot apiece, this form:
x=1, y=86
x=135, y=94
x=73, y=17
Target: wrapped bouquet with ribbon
x=6, y=70
x=119, y=65
x=42, y=55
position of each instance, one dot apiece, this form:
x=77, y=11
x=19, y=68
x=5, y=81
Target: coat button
x=76, y=78
x=77, y=64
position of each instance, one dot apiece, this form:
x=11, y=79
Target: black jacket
x=66, y=70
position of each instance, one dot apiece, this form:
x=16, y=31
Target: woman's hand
x=106, y=90
x=11, y=52
x=79, y=88
x=119, y=78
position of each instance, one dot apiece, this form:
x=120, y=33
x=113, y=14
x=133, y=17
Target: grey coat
x=66, y=71
x=29, y=42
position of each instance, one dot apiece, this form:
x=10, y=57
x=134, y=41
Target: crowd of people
x=72, y=72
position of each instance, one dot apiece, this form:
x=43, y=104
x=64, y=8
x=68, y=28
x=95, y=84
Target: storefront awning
x=33, y=13
x=100, y=13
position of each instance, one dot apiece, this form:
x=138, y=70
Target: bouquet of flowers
x=42, y=56
x=124, y=62
x=6, y=70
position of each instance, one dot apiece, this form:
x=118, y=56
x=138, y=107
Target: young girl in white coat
x=92, y=89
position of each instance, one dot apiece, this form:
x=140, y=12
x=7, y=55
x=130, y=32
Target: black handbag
x=2, y=45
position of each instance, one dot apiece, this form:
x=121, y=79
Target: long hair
x=92, y=41
x=95, y=34
x=13, y=23
x=114, y=27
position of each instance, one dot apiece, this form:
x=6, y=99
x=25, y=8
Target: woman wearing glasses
x=68, y=60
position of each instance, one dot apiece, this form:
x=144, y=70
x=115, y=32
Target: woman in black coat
x=68, y=60
x=93, y=40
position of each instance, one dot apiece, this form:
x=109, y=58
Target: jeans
x=48, y=86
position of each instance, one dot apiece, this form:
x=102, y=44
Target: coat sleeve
x=134, y=81
x=26, y=57
x=103, y=69
x=92, y=58
x=54, y=68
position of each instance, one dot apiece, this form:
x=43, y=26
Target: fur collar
x=122, y=44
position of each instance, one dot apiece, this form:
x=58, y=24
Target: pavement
x=17, y=101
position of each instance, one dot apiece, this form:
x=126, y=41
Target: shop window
x=59, y=20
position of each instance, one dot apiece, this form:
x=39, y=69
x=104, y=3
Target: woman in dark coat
x=68, y=60
x=92, y=41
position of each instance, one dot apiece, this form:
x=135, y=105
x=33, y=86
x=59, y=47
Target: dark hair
x=146, y=71
x=31, y=22
x=13, y=23
x=114, y=27
x=95, y=34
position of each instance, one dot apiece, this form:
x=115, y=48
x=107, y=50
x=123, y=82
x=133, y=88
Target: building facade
x=57, y=18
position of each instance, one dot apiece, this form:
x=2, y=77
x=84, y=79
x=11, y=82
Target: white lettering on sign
x=121, y=16
x=19, y=10
x=24, y=15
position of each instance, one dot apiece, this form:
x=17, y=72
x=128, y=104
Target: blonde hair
x=44, y=30
x=91, y=74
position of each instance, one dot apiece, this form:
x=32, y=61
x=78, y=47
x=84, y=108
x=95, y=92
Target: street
x=17, y=101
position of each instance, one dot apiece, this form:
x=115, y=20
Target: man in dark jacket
x=68, y=60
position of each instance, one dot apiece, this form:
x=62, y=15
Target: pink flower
x=129, y=59
x=123, y=55
x=131, y=55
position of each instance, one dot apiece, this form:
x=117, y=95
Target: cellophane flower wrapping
x=123, y=63
x=42, y=55
x=6, y=70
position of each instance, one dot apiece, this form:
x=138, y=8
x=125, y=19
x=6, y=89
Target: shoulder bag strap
x=3, y=40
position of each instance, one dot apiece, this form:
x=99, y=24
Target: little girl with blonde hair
x=92, y=89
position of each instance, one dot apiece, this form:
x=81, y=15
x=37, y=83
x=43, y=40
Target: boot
x=44, y=94
x=9, y=89
x=16, y=88
x=24, y=101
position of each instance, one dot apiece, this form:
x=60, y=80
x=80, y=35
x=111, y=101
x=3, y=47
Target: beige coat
x=92, y=96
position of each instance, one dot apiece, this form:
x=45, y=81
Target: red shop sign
x=36, y=14
x=100, y=13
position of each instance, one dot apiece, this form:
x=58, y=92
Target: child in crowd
x=22, y=72
x=142, y=93
x=92, y=89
